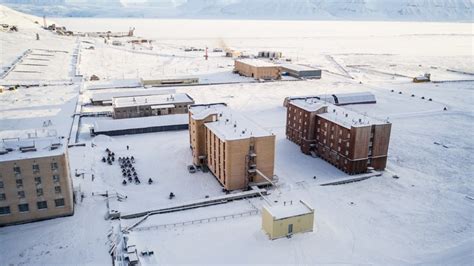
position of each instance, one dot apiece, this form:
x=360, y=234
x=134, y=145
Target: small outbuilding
x=301, y=71
x=285, y=220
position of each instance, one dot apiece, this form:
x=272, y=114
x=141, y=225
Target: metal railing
x=199, y=221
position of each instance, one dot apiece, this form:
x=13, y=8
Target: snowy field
x=425, y=216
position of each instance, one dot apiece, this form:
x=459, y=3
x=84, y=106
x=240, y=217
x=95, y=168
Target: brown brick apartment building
x=237, y=151
x=257, y=69
x=348, y=140
x=34, y=180
x=150, y=105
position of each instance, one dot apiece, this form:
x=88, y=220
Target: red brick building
x=348, y=140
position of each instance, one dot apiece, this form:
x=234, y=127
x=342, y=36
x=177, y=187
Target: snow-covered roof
x=310, y=104
x=296, y=67
x=105, y=125
x=339, y=115
x=256, y=62
x=289, y=209
x=348, y=118
x=201, y=111
x=113, y=83
x=19, y=145
x=152, y=100
x=230, y=125
x=356, y=97
x=107, y=96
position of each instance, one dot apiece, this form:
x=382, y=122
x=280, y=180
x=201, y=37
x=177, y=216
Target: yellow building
x=257, y=69
x=285, y=220
x=237, y=151
x=35, y=183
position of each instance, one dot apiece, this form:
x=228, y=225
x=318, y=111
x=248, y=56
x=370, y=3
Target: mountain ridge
x=391, y=10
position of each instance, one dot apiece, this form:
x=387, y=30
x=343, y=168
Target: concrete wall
x=30, y=188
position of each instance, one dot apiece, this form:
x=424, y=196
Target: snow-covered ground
x=425, y=216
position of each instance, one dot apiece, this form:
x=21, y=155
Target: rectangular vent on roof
x=28, y=148
x=55, y=146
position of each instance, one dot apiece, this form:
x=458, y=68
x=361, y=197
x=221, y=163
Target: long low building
x=35, y=183
x=301, y=71
x=105, y=98
x=338, y=98
x=237, y=151
x=111, y=127
x=170, y=81
x=258, y=69
x=150, y=105
x=113, y=84
x=348, y=140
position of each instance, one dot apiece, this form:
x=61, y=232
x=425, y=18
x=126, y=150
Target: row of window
x=39, y=193
x=35, y=168
x=38, y=181
x=40, y=205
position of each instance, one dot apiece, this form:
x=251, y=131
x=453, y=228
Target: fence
x=199, y=221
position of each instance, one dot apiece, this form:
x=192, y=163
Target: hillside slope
x=399, y=10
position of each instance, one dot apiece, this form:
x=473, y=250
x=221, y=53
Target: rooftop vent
x=28, y=148
x=55, y=146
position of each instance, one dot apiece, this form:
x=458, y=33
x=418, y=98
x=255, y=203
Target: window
x=2, y=196
x=54, y=166
x=19, y=183
x=21, y=194
x=5, y=210
x=57, y=189
x=39, y=192
x=1, y=184
x=38, y=180
x=36, y=168
x=42, y=205
x=17, y=170
x=23, y=207
x=59, y=202
x=56, y=178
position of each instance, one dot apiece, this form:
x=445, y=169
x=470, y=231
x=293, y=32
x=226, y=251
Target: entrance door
x=290, y=229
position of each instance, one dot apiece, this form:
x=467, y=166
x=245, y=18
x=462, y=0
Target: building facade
x=257, y=69
x=35, y=182
x=237, y=152
x=150, y=105
x=350, y=141
x=285, y=220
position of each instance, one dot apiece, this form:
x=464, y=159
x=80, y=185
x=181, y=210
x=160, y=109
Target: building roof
x=152, y=100
x=30, y=144
x=289, y=209
x=355, y=97
x=113, y=83
x=105, y=125
x=256, y=62
x=296, y=67
x=107, y=96
x=339, y=115
x=309, y=104
x=230, y=125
